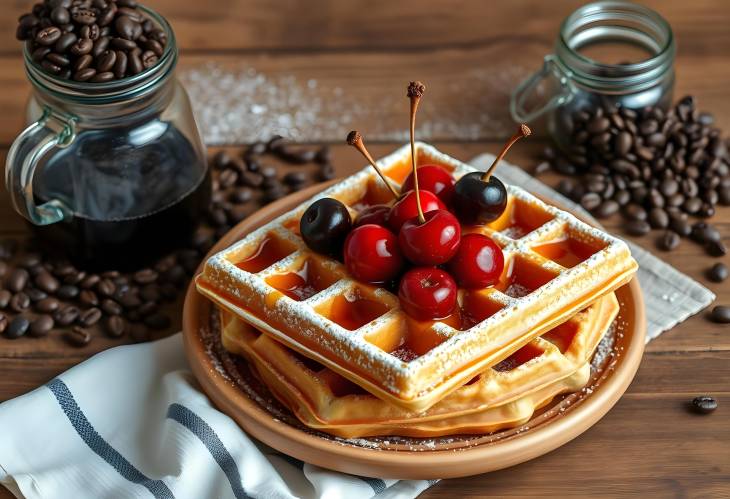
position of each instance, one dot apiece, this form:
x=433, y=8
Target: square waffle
x=555, y=265
x=501, y=396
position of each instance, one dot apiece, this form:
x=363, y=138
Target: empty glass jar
x=113, y=174
x=607, y=54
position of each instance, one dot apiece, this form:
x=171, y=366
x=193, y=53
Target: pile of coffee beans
x=657, y=168
x=246, y=182
x=41, y=294
x=91, y=40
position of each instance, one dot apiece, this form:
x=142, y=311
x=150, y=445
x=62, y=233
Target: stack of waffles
x=346, y=359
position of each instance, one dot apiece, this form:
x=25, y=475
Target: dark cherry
x=432, y=178
x=427, y=293
x=478, y=202
x=432, y=242
x=478, y=262
x=372, y=254
x=406, y=208
x=375, y=214
x=325, y=225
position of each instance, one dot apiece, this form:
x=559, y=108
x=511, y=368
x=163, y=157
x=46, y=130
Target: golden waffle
x=555, y=266
x=498, y=398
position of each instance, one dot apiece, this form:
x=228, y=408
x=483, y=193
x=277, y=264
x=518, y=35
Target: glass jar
x=610, y=54
x=114, y=174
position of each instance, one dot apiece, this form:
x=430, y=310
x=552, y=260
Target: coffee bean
x=123, y=44
x=115, y=326
x=718, y=272
x=77, y=336
x=66, y=316
x=704, y=404
x=89, y=317
x=134, y=63
x=145, y=276
x=149, y=59
x=295, y=178
x=705, y=211
x=46, y=282
x=35, y=294
x=110, y=307
x=17, y=280
x=41, y=325
x=3, y=322
x=680, y=226
x=716, y=248
x=637, y=227
x=703, y=232
x=47, y=305
x=102, y=77
x=130, y=301
x=89, y=281
x=120, y=65
x=721, y=314
x=635, y=211
x=84, y=74
x=67, y=292
x=251, y=179
x=106, y=61
x=668, y=241
x=658, y=218
x=622, y=197
x=597, y=125
x=48, y=36
x=20, y=302
x=106, y=287
x=64, y=43
x=591, y=201
x=84, y=16
x=158, y=321
x=17, y=327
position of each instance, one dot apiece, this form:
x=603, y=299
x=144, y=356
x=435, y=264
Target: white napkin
x=131, y=422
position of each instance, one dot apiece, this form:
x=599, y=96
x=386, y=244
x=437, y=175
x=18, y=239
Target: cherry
x=478, y=262
x=427, y=293
x=432, y=242
x=325, y=225
x=407, y=208
x=432, y=178
x=478, y=202
x=481, y=198
x=372, y=254
x=375, y=214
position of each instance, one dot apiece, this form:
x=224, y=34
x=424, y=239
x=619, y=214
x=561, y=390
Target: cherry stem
x=522, y=131
x=354, y=138
x=415, y=92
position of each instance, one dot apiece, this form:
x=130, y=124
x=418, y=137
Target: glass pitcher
x=609, y=53
x=113, y=174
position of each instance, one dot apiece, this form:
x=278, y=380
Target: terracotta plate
x=235, y=391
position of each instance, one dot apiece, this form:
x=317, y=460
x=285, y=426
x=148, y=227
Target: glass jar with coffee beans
x=609, y=54
x=111, y=170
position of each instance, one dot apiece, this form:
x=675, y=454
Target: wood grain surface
x=649, y=444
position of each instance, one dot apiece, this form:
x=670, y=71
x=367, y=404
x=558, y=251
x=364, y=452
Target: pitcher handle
x=550, y=69
x=51, y=131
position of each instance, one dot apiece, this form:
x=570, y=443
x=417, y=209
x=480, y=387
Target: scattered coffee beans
x=89, y=41
x=704, y=404
x=654, y=164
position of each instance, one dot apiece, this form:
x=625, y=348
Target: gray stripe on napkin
x=99, y=445
x=670, y=296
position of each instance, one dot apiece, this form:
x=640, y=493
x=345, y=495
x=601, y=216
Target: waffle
x=555, y=266
x=500, y=397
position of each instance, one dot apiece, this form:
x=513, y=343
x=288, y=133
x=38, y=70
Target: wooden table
x=649, y=444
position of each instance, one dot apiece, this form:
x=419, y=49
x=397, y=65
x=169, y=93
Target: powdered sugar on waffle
x=461, y=347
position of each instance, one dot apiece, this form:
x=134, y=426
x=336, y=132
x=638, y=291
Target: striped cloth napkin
x=131, y=422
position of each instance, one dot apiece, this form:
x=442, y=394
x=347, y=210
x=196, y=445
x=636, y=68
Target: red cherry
x=427, y=293
x=372, y=254
x=432, y=242
x=478, y=262
x=406, y=208
x=432, y=178
x=376, y=214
